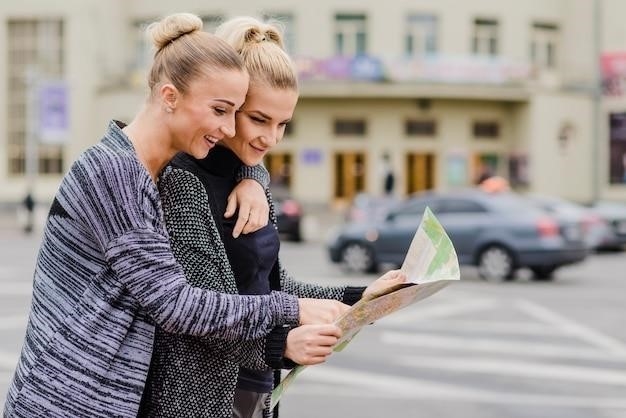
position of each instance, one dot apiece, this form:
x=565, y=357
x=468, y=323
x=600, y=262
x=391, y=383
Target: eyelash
x=261, y=120
x=219, y=111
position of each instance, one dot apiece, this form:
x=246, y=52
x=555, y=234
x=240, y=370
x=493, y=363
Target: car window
x=460, y=206
x=412, y=209
x=512, y=203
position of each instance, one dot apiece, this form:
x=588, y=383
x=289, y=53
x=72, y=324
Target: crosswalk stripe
x=8, y=361
x=492, y=345
x=439, y=310
x=476, y=327
x=516, y=368
x=13, y=288
x=570, y=327
x=342, y=382
x=13, y=322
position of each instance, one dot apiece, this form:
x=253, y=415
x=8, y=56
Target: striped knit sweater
x=193, y=378
x=105, y=275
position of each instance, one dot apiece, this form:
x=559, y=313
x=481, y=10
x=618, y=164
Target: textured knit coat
x=197, y=378
x=105, y=275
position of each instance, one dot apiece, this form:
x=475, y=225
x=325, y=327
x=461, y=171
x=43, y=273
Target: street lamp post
x=31, y=158
x=597, y=100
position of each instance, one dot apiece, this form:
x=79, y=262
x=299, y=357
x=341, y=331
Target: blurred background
x=437, y=91
x=404, y=104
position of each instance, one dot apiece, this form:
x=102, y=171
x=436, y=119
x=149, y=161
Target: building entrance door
x=349, y=175
x=420, y=172
x=279, y=166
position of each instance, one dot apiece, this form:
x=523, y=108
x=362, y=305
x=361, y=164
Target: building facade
x=438, y=92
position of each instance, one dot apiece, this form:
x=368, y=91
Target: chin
x=252, y=161
x=200, y=155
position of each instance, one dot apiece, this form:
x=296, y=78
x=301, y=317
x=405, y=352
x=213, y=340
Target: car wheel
x=358, y=257
x=543, y=272
x=496, y=263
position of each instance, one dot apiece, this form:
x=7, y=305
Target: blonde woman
x=219, y=378
x=106, y=273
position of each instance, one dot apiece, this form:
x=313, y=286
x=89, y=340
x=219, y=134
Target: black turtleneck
x=251, y=256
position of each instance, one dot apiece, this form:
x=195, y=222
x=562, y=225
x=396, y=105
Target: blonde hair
x=260, y=46
x=184, y=52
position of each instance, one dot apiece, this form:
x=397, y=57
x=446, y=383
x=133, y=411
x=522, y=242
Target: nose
x=228, y=129
x=271, y=137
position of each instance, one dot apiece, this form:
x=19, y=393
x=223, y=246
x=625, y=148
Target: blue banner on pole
x=53, y=112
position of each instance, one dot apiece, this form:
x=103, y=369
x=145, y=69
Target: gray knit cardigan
x=105, y=275
x=192, y=378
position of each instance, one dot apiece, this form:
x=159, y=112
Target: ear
x=169, y=96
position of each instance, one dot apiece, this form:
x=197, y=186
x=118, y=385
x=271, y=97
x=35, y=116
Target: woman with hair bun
x=106, y=273
x=215, y=378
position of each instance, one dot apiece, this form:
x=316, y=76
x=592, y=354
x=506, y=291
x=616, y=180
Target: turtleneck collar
x=221, y=162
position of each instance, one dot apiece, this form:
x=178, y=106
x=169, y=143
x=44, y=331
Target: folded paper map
x=430, y=264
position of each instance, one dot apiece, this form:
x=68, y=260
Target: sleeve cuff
x=353, y=294
x=256, y=172
x=275, y=345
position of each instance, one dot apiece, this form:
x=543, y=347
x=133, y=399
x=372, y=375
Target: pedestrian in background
x=106, y=274
x=389, y=177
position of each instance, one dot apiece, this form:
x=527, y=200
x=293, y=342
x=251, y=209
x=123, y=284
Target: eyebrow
x=268, y=117
x=225, y=101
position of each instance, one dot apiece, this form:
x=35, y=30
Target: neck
x=151, y=141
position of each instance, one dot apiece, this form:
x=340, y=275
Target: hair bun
x=173, y=27
x=259, y=34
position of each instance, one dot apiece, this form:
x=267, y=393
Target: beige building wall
x=559, y=139
x=100, y=51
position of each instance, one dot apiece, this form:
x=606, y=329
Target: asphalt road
x=523, y=349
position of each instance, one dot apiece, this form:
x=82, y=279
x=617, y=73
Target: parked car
x=614, y=213
x=289, y=214
x=499, y=233
x=597, y=231
x=367, y=207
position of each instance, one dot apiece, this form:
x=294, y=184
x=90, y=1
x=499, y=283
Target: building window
x=350, y=34
x=485, y=41
x=420, y=127
x=488, y=130
x=35, y=49
x=285, y=21
x=543, y=45
x=617, y=148
x=144, y=51
x=421, y=35
x=356, y=127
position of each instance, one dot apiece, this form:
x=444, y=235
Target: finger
x=231, y=205
x=332, y=331
x=327, y=342
x=313, y=360
x=242, y=220
x=254, y=223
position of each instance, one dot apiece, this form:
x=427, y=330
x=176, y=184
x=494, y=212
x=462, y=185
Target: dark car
x=614, y=213
x=289, y=214
x=598, y=232
x=499, y=233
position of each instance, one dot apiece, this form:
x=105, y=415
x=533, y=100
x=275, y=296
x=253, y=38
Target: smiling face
x=205, y=114
x=261, y=122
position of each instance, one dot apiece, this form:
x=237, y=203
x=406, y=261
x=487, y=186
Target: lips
x=259, y=149
x=211, y=140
